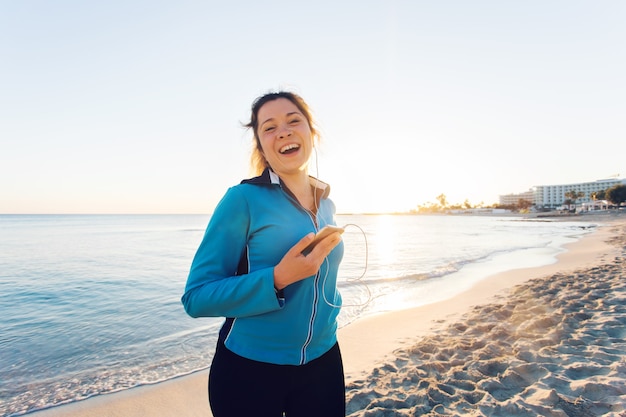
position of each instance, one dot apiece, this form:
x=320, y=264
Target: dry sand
x=546, y=341
x=552, y=346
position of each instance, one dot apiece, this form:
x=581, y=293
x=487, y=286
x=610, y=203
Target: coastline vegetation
x=615, y=196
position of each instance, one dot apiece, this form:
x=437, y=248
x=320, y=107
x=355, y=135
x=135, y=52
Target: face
x=285, y=137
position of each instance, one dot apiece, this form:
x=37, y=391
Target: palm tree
x=443, y=202
x=574, y=195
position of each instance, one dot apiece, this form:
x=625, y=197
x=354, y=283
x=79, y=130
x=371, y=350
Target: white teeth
x=289, y=147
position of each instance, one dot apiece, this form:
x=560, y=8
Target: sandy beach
x=546, y=341
x=552, y=345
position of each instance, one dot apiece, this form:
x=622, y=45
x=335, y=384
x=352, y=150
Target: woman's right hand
x=295, y=266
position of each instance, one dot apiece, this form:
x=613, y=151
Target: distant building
x=596, y=205
x=513, y=199
x=553, y=196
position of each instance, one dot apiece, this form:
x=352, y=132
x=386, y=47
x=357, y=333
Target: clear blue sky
x=135, y=106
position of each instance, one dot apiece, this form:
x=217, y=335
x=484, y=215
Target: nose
x=284, y=132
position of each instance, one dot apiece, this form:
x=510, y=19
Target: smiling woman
x=281, y=305
x=263, y=124
x=285, y=139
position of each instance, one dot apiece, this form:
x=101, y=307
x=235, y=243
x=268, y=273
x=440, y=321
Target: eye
x=269, y=129
x=294, y=121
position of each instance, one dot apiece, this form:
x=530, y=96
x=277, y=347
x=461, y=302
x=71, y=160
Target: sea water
x=90, y=304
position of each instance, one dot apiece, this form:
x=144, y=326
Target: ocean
x=90, y=304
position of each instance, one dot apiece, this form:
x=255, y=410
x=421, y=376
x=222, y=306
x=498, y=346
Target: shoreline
x=366, y=343
x=553, y=344
x=383, y=338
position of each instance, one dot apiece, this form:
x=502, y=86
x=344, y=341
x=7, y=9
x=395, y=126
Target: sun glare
x=383, y=245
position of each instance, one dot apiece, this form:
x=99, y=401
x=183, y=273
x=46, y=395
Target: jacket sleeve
x=213, y=289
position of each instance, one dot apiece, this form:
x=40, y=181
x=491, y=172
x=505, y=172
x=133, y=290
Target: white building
x=513, y=199
x=596, y=205
x=553, y=196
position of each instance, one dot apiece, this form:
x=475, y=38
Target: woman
x=277, y=350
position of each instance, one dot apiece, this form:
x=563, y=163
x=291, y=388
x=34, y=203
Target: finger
x=302, y=243
x=327, y=244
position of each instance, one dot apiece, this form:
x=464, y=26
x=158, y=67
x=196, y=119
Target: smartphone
x=325, y=231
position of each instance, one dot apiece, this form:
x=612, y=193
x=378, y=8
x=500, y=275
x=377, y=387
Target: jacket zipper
x=316, y=295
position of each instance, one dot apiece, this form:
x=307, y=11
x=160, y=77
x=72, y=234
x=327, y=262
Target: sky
x=136, y=106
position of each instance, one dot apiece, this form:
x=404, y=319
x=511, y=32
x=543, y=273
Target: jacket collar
x=322, y=189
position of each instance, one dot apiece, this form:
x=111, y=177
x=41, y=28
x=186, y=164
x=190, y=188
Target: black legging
x=240, y=387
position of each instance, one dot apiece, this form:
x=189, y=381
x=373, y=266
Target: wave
x=438, y=272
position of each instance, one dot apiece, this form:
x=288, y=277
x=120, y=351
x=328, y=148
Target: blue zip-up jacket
x=232, y=274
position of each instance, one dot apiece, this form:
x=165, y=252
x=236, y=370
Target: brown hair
x=257, y=160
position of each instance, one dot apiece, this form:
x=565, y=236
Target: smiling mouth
x=287, y=149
